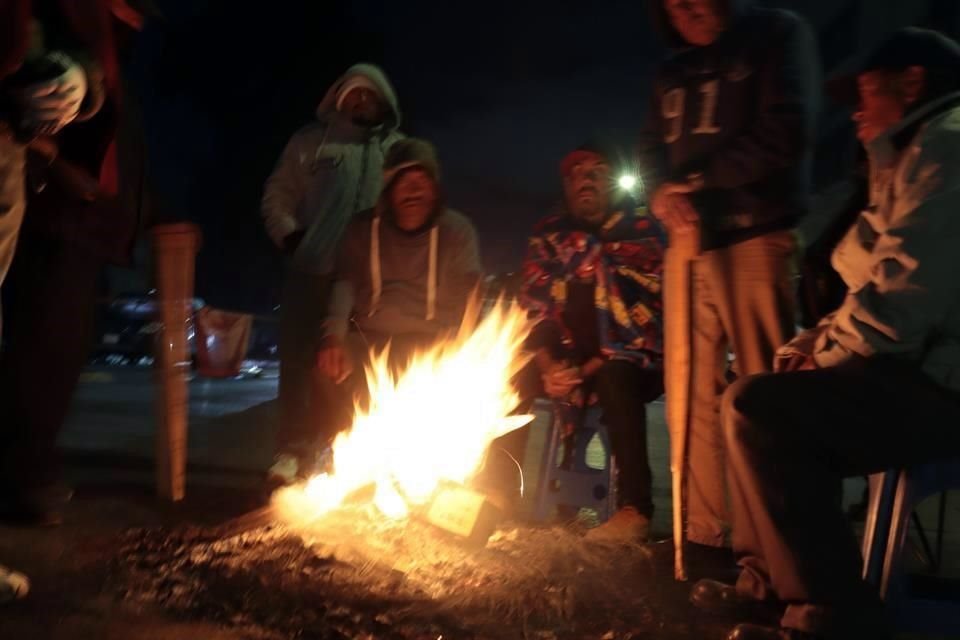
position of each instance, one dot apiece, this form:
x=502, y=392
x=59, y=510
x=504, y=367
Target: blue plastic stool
x=575, y=485
x=893, y=497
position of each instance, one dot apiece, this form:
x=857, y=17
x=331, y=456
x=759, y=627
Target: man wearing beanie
x=330, y=170
x=876, y=385
x=591, y=282
x=404, y=272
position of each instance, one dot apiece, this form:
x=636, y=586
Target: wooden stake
x=175, y=248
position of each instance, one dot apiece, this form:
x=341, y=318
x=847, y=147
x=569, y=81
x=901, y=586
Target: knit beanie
x=407, y=154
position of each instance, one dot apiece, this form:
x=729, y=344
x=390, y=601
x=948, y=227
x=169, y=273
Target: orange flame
x=431, y=423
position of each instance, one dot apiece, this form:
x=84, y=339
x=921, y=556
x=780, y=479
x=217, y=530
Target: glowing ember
x=431, y=423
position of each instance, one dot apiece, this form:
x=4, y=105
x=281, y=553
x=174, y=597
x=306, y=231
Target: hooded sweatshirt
x=737, y=118
x=330, y=170
x=899, y=260
x=394, y=282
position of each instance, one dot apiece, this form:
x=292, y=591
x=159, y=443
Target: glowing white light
x=627, y=182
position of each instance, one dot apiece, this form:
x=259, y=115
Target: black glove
x=293, y=240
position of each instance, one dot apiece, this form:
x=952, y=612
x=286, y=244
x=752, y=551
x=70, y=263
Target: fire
x=431, y=423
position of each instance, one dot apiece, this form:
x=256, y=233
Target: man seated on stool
x=877, y=384
x=405, y=271
x=591, y=281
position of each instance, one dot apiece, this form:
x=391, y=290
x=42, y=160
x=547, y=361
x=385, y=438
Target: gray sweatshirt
x=394, y=282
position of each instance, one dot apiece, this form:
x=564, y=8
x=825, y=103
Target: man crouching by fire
x=405, y=271
x=591, y=281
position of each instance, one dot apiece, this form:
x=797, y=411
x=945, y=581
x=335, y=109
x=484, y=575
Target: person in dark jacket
x=73, y=224
x=876, y=385
x=727, y=159
x=405, y=271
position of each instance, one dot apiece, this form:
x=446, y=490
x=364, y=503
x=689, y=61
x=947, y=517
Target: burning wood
x=464, y=513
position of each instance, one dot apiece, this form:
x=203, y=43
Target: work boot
x=13, y=585
x=626, y=526
x=718, y=598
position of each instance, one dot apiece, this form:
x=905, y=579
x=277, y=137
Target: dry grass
x=354, y=572
x=523, y=572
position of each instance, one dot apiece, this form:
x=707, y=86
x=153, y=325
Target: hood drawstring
x=376, y=278
x=376, y=275
x=432, y=274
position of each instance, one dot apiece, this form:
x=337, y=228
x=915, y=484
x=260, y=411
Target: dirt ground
x=125, y=567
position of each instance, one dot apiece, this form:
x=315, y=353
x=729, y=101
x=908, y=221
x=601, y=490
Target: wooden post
x=175, y=249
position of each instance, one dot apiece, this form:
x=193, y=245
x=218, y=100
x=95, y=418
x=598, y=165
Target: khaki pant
x=736, y=299
x=12, y=200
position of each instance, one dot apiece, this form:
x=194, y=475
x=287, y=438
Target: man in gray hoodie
x=330, y=170
x=405, y=271
x=877, y=384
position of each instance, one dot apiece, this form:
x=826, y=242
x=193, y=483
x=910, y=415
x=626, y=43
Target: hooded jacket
x=394, y=282
x=899, y=260
x=330, y=170
x=737, y=119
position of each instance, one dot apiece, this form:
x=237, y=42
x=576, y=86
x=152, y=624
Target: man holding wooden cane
x=727, y=157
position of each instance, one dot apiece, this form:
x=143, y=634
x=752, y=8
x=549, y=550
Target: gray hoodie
x=394, y=282
x=330, y=170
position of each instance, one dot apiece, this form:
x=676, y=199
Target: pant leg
x=303, y=305
x=623, y=391
x=753, y=286
x=50, y=300
x=707, y=513
x=791, y=439
x=12, y=201
x=743, y=298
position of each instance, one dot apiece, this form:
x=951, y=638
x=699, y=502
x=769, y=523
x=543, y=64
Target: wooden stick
x=175, y=249
x=678, y=348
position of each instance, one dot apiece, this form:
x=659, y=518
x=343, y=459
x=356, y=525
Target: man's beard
x=591, y=213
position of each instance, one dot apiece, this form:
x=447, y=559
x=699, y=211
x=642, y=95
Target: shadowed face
x=587, y=189
x=885, y=97
x=699, y=22
x=413, y=197
x=364, y=105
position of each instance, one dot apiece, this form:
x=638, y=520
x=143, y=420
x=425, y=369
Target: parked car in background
x=127, y=327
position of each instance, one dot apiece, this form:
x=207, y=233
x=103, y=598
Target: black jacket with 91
x=741, y=114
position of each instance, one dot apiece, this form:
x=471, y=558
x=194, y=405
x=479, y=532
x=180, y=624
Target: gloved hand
x=49, y=106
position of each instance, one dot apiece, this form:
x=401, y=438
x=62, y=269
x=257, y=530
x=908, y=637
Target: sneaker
x=626, y=526
x=285, y=470
x=13, y=585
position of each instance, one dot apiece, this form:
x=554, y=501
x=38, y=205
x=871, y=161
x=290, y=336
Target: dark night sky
x=503, y=89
